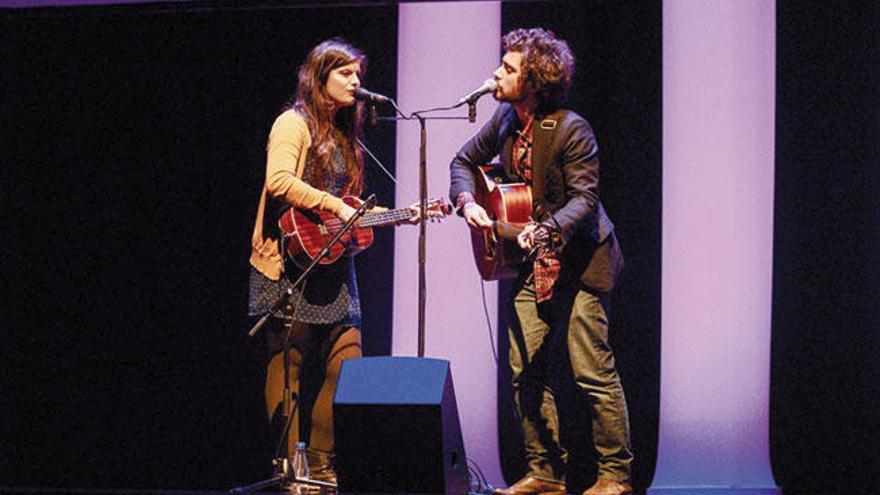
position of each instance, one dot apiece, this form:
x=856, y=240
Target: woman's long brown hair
x=328, y=131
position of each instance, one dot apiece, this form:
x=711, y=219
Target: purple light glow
x=718, y=171
x=445, y=50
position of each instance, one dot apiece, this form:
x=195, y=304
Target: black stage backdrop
x=133, y=147
x=134, y=153
x=825, y=381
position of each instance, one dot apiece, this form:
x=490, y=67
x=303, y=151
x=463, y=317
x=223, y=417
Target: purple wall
x=445, y=51
x=718, y=172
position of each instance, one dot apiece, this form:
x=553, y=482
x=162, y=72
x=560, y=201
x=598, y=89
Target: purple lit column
x=445, y=50
x=718, y=166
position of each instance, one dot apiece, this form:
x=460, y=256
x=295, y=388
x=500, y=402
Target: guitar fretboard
x=507, y=231
x=387, y=217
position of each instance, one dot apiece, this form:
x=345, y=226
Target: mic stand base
x=282, y=480
x=277, y=480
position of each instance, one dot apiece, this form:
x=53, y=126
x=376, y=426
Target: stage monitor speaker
x=396, y=427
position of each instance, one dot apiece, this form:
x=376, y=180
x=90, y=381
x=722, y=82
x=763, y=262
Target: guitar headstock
x=437, y=209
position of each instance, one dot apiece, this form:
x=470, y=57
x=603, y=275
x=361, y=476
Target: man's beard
x=505, y=98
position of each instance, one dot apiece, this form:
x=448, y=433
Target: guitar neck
x=507, y=231
x=386, y=217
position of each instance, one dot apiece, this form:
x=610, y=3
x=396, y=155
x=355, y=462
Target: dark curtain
x=134, y=152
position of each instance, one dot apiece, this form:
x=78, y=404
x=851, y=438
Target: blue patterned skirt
x=330, y=296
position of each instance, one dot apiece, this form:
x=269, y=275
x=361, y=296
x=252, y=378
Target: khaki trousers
x=584, y=316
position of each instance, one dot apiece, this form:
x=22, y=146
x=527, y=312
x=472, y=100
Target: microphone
x=489, y=86
x=370, y=97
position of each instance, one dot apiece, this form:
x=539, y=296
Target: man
x=554, y=151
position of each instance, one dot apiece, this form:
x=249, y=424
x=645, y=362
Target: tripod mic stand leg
x=276, y=480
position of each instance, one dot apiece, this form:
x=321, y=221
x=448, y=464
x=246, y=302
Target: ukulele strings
x=372, y=218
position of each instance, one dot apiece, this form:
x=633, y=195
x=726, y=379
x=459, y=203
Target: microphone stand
x=423, y=231
x=289, y=404
x=423, y=199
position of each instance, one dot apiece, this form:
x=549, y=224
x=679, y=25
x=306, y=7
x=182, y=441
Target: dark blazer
x=565, y=188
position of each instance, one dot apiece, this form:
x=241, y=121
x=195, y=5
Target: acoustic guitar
x=307, y=231
x=509, y=205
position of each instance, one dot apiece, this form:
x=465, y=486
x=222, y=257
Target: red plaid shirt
x=546, y=265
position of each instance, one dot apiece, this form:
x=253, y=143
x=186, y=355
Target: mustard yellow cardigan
x=289, y=143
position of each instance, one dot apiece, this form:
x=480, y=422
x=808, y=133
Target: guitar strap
x=542, y=145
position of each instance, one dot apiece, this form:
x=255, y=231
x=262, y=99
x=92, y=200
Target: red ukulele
x=307, y=231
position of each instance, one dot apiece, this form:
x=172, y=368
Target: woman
x=313, y=160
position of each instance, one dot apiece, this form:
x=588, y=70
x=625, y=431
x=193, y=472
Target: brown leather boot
x=533, y=486
x=609, y=487
x=321, y=469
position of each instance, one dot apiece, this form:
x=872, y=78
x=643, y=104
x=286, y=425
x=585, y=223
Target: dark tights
x=315, y=358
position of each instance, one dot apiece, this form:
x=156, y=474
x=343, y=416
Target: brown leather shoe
x=609, y=487
x=532, y=486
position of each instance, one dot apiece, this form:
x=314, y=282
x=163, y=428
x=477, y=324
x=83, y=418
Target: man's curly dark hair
x=548, y=64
